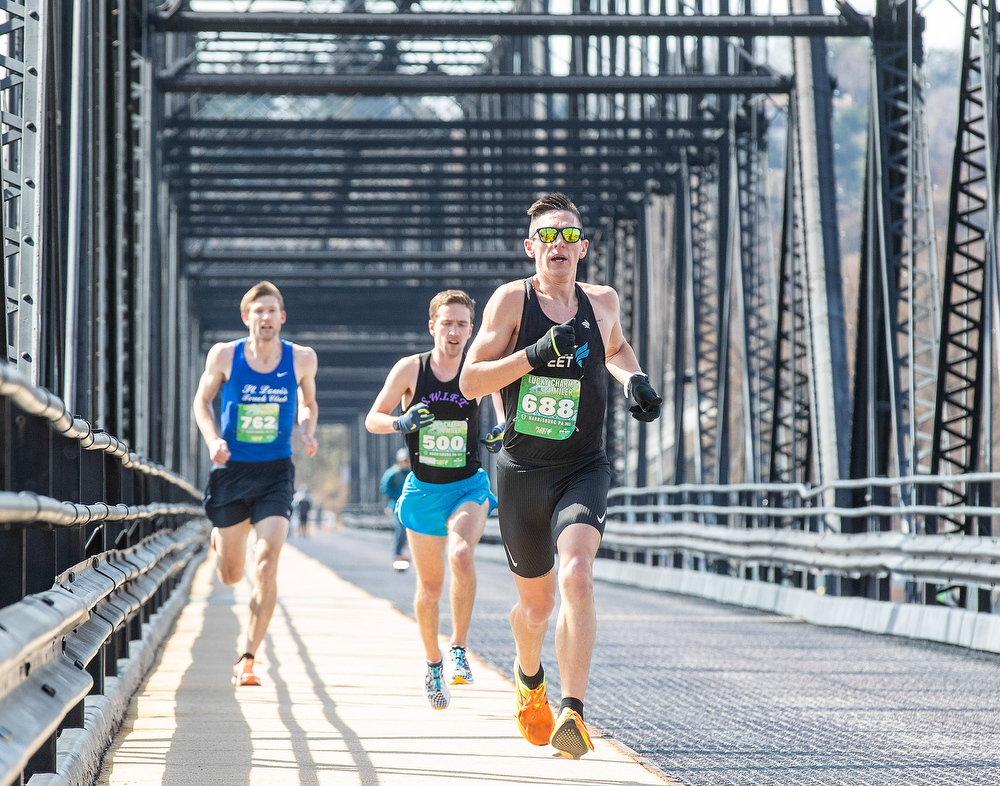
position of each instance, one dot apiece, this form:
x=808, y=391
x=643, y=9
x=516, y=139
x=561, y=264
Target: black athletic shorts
x=538, y=502
x=241, y=490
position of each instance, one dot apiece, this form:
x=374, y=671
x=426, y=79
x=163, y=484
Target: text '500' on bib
x=443, y=443
x=257, y=423
x=547, y=407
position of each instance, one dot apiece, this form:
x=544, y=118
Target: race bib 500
x=442, y=443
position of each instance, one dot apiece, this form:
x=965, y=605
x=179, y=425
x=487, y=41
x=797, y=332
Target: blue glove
x=414, y=419
x=557, y=341
x=647, y=403
x=494, y=440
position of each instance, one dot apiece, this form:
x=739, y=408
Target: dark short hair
x=552, y=202
x=448, y=297
x=256, y=292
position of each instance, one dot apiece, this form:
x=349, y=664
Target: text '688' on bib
x=547, y=407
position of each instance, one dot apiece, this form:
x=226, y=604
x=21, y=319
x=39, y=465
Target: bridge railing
x=94, y=540
x=790, y=534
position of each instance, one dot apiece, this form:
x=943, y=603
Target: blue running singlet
x=258, y=410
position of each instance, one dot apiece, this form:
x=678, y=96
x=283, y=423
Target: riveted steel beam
x=336, y=272
x=488, y=25
x=375, y=127
x=347, y=256
x=441, y=85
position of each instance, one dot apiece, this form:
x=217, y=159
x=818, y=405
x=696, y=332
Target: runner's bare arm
x=498, y=407
x=306, y=365
x=619, y=357
x=397, y=391
x=217, y=366
x=489, y=366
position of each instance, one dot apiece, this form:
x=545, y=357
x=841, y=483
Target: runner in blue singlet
x=265, y=382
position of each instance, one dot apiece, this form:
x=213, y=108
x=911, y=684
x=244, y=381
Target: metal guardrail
x=919, y=557
x=53, y=644
x=93, y=538
x=746, y=537
x=43, y=404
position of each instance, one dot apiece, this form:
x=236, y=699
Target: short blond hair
x=256, y=292
x=448, y=297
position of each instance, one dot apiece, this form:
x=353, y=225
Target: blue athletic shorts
x=426, y=507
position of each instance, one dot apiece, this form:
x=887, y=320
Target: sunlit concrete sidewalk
x=341, y=703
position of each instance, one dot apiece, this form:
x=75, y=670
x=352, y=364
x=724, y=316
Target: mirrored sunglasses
x=549, y=234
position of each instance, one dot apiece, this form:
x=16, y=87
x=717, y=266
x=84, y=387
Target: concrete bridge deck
x=709, y=694
x=341, y=702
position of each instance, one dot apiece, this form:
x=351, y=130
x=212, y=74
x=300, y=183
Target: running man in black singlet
x=548, y=343
x=266, y=383
x=446, y=497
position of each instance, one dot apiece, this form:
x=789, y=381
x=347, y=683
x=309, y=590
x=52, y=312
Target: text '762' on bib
x=257, y=423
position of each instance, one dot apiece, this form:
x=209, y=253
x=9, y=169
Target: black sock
x=531, y=682
x=438, y=662
x=574, y=704
x=245, y=655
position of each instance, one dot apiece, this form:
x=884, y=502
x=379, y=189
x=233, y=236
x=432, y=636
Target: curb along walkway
x=341, y=703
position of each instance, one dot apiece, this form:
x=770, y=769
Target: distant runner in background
x=264, y=381
x=391, y=485
x=302, y=504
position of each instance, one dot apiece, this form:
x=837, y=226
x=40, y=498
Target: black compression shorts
x=538, y=502
x=241, y=490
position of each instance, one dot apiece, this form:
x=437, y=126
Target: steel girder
x=756, y=296
x=896, y=351
x=388, y=129
x=488, y=25
x=705, y=296
x=199, y=258
x=963, y=418
x=791, y=442
x=82, y=277
x=28, y=127
x=812, y=403
x=436, y=85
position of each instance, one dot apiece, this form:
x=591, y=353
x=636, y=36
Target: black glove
x=415, y=418
x=558, y=341
x=494, y=440
x=647, y=403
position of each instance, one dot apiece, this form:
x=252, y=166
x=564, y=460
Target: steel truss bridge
x=161, y=157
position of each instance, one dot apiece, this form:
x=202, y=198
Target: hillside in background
x=850, y=65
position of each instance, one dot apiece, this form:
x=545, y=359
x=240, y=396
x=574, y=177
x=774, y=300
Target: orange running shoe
x=533, y=716
x=570, y=736
x=243, y=673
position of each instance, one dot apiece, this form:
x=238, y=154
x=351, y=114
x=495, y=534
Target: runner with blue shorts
x=446, y=497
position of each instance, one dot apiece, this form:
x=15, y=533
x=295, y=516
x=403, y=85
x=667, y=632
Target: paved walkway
x=341, y=703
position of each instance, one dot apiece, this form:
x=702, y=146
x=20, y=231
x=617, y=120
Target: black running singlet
x=448, y=449
x=556, y=414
